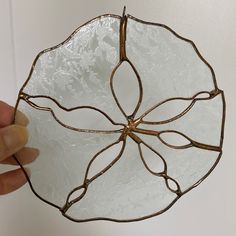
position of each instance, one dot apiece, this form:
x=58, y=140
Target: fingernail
x=15, y=137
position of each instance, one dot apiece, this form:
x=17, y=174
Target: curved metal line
x=140, y=89
x=84, y=186
x=29, y=77
x=124, y=221
x=158, y=154
x=68, y=203
x=27, y=97
x=112, y=89
x=184, y=39
x=173, y=146
x=123, y=26
x=70, y=127
x=161, y=174
x=220, y=153
x=223, y=120
x=211, y=94
x=191, y=144
x=128, y=220
x=172, y=203
x=62, y=43
x=86, y=181
x=171, y=99
x=205, y=176
x=89, y=181
x=124, y=10
x=178, y=191
x=110, y=165
x=31, y=185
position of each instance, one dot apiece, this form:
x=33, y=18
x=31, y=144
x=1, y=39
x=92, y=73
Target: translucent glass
x=77, y=73
x=64, y=154
x=122, y=134
x=186, y=166
x=127, y=191
x=169, y=66
x=202, y=122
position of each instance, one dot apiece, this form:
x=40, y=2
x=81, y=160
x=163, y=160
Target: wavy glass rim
x=123, y=23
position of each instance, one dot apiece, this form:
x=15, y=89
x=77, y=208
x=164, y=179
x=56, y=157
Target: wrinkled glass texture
x=121, y=137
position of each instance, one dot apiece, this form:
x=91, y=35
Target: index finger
x=7, y=113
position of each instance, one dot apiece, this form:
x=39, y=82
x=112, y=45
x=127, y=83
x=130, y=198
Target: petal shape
x=77, y=72
x=156, y=164
x=152, y=160
x=168, y=64
x=173, y=108
x=64, y=155
x=82, y=119
x=174, y=139
x=186, y=166
x=126, y=88
x=74, y=196
x=173, y=185
x=104, y=160
x=127, y=191
x=98, y=165
x=203, y=123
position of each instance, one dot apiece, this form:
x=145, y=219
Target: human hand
x=13, y=138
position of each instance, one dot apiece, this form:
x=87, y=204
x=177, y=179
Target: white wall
x=28, y=26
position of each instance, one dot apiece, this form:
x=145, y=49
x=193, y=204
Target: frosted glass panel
x=126, y=191
x=202, y=122
x=64, y=154
x=78, y=72
x=168, y=66
x=127, y=116
x=186, y=166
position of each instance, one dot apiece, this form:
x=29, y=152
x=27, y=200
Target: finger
x=12, y=139
x=7, y=113
x=21, y=119
x=24, y=156
x=12, y=180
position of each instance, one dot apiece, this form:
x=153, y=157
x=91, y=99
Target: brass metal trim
x=130, y=129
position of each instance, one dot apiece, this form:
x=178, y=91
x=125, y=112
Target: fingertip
x=12, y=139
x=21, y=119
x=27, y=155
x=15, y=136
x=12, y=180
x=7, y=112
x=22, y=134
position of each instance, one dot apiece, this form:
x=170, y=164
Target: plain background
x=29, y=26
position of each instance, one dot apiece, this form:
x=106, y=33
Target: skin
x=13, y=140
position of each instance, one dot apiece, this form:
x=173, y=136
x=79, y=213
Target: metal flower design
x=128, y=165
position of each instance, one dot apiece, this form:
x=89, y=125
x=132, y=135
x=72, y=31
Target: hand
x=13, y=138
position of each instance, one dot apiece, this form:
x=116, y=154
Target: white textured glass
x=78, y=72
x=64, y=154
x=127, y=117
x=127, y=191
x=186, y=166
x=169, y=66
x=202, y=122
